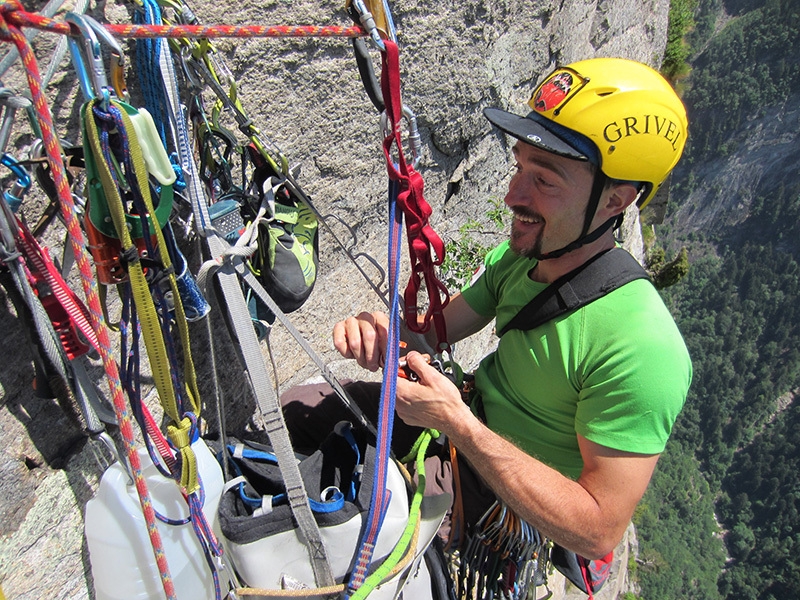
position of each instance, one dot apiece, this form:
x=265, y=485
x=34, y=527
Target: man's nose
x=517, y=192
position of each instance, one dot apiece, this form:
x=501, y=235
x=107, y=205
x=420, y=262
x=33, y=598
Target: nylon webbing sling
x=405, y=198
x=67, y=298
x=425, y=248
x=592, y=280
x=152, y=334
x=256, y=369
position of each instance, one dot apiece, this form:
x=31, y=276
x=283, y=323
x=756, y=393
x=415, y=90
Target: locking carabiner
x=93, y=81
x=20, y=187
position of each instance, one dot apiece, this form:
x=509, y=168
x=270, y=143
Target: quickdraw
x=504, y=557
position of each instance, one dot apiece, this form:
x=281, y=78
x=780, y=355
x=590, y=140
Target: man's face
x=548, y=196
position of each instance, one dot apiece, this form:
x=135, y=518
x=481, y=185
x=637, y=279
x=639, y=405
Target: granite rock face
x=306, y=96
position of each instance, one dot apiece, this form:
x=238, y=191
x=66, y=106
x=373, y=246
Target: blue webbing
x=380, y=494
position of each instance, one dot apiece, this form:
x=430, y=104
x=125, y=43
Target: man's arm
x=588, y=516
x=364, y=337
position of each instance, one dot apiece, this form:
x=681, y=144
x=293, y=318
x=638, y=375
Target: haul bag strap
x=260, y=382
x=594, y=279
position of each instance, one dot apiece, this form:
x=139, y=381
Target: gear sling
x=594, y=279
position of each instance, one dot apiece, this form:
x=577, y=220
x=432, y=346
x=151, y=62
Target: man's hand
x=433, y=401
x=364, y=338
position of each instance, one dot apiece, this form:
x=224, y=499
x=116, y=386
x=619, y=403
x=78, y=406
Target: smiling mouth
x=529, y=219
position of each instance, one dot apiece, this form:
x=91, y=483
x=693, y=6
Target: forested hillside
x=734, y=453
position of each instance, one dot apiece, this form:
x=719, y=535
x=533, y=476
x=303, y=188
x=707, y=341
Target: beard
x=521, y=242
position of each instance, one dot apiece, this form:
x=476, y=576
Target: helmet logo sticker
x=643, y=125
x=553, y=91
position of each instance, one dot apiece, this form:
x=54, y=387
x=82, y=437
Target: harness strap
x=594, y=279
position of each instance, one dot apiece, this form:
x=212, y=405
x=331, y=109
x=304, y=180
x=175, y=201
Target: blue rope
x=147, y=63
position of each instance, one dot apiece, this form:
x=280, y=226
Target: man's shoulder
x=635, y=314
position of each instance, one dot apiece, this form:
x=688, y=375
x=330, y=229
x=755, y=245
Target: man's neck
x=547, y=271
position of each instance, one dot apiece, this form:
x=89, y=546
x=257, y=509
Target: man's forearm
x=588, y=516
x=559, y=507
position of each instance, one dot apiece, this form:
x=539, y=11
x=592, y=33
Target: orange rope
x=11, y=33
x=15, y=15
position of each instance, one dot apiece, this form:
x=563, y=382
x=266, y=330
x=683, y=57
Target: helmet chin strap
x=598, y=185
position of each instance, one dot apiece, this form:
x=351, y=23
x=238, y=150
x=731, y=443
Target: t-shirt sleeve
x=481, y=291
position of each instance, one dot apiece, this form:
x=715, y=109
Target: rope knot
x=181, y=436
x=7, y=7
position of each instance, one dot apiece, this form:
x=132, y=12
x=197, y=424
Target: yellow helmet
x=633, y=118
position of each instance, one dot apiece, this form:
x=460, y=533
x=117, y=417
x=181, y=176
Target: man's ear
x=618, y=197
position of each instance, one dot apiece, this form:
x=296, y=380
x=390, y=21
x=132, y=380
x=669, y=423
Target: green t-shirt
x=615, y=371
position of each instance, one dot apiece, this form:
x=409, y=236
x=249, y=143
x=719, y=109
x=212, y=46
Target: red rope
x=16, y=16
x=241, y=31
x=11, y=33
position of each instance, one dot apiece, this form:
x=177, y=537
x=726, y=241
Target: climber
x=566, y=421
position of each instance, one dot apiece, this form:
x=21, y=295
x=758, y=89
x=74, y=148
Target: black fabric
x=594, y=279
x=441, y=583
x=581, y=571
x=331, y=465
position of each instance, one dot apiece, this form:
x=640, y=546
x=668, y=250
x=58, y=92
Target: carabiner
x=118, y=75
x=367, y=21
x=12, y=103
x=414, y=139
x=94, y=84
x=21, y=186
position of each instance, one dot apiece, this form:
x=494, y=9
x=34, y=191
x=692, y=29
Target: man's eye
x=544, y=183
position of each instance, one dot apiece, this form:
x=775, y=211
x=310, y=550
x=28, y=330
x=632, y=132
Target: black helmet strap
x=598, y=185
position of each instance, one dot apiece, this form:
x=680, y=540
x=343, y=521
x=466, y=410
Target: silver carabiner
x=93, y=81
x=368, y=23
x=12, y=103
x=414, y=139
